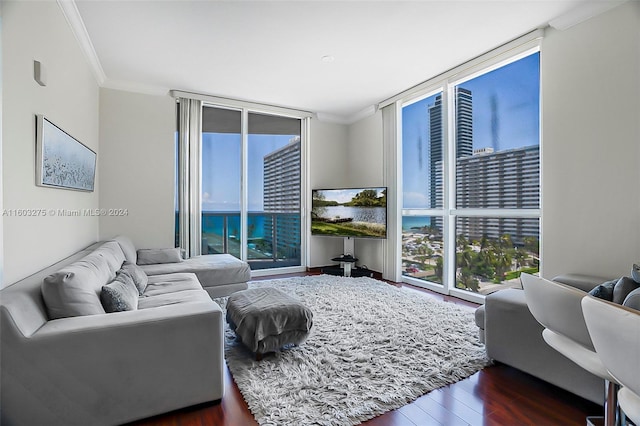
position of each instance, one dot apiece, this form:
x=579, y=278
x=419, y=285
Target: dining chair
x=558, y=308
x=615, y=332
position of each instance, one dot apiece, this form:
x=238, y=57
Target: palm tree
x=520, y=256
x=438, y=268
x=467, y=280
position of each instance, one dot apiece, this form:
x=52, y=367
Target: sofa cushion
x=171, y=283
x=604, y=290
x=635, y=273
x=633, y=300
x=120, y=295
x=75, y=289
x=113, y=256
x=622, y=289
x=140, y=279
x=127, y=247
x=211, y=269
x=159, y=256
x=173, y=298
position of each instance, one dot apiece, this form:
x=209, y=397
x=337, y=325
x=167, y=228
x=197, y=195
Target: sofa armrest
x=114, y=368
x=580, y=281
x=514, y=337
x=128, y=321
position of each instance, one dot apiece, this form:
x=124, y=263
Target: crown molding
x=72, y=15
x=347, y=120
x=331, y=118
x=132, y=86
x=367, y=112
x=583, y=12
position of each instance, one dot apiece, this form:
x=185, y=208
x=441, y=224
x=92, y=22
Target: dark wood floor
x=496, y=395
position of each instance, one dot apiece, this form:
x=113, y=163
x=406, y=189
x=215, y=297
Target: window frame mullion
x=244, y=184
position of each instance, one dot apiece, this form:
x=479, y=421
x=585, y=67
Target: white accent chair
x=615, y=331
x=558, y=308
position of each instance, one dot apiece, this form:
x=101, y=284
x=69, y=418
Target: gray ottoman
x=265, y=319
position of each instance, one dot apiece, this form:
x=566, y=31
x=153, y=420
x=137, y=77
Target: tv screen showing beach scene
x=351, y=212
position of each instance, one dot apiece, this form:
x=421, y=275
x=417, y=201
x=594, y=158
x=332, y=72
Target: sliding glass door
x=221, y=181
x=251, y=192
x=274, y=154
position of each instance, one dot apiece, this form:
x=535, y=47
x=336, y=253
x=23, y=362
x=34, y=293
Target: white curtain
x=189, y=180
x=392, y=168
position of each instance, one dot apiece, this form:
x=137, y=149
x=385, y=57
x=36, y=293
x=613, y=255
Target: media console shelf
x=347, y=267
x=347, y=262
x=355, y=272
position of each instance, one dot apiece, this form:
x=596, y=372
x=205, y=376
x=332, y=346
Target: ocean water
x=409, y=222
x=213, y=223
x=358, y=214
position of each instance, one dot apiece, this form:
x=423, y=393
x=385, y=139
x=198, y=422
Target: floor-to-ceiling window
x=221, y=190
x=274, y=173
x=422, y=198
x=251, y=192
x=471, y=179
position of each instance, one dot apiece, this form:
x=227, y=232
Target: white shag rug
x=373, y=348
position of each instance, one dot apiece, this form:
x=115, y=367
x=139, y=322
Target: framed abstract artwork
x=61, y=160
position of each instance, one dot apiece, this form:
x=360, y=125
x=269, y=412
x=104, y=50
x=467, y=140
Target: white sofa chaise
x=89, y=367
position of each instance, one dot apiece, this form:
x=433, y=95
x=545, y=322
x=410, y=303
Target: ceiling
x=271, y=51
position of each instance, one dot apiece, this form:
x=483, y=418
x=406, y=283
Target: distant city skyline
x=506, y=115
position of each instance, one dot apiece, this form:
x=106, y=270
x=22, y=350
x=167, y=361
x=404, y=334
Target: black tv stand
x=355, y=271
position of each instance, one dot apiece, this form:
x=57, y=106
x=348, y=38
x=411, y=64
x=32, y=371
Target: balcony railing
x=273, y=239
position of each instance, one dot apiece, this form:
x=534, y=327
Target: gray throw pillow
x=622, y=289
x=635, y=273
x=140, y=278
x=74, y=290
x=120, y=294
x=155, y=256
x=605, y=290
x=633, y=300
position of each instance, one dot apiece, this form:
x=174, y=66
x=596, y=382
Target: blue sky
x=515, y=90
x=221, y=169
x=346, y=195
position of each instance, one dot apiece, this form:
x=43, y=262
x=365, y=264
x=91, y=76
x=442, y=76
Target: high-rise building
x=464, y=143
x=464, y=123
x=282, y=195
x=507, y=179
x=464, y=139
x=435, y=151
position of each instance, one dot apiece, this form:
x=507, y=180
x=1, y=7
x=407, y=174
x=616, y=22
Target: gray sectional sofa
x=88, y=367
x=219, y=274
x=512, y=336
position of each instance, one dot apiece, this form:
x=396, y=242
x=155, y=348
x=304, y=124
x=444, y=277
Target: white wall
x=591, y=145
x=365, y=168
x=327, y=169
x=137, y=162
x=1, y=217
x=38, y=31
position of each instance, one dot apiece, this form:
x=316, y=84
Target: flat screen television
x=349, y=212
